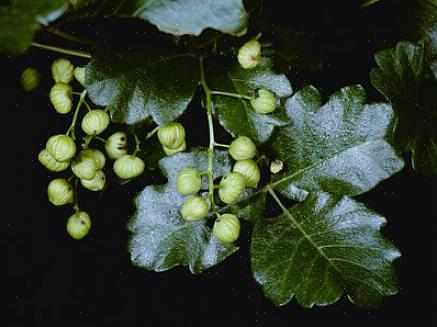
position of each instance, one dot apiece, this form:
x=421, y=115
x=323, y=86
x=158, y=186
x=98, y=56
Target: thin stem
x=222, y=145
x=72, y=128
x=152, y=132
x=87, y=105
x=368, y=3
x=101, y=139
x=70, y=37
x=137, y=144
x=71, y=52
x=232, y=95
x=76, y=198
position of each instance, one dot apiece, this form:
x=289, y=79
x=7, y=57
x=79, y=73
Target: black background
x=53, y=280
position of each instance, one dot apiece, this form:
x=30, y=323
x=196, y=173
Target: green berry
x=128, y=166
x=47, y=160
x=84, y=167
x=242, y=148
x=231, y=186
x=116, y=145
x=249, y=54
x=62, y=70
x=276, y=166
x=263, y=101
x=61, y=147
x=226, y=228
x=79, y=75
x=97, y=183
x=60, y=97
x=78, y=225
x=95, y=122
x=188, y=181
x=97, y=155
x=170, y=152
x=60, y=192
x=250, y=171
x=171, y=135
x=29, y=79
x=194, y=208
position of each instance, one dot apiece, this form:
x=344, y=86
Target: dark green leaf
x=321, y=248
x=237, y=115
x=338, y=147
x=21, y=18
x=138, y=83
x=250, y=206
x=161, y=239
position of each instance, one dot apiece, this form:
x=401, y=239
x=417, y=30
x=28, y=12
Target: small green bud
x=231, y=186
x=116, y=145
x=250, y=171
x=188, y=181
x=171, y=135
x=60, y=97
x=249, y=54
x=29, y=79
x=61, y=147
x=47, y=160
x=95, y=122
x=226, y=228
x=242, y=148
x=97, y=183
x=263, y=101
x=79, y=75
x=194, y=208
x=276, y=166
x=62, y=70
x=170, y=152
x=97, y=155
x=78, y=225
x=128, y=166
x=84, y=167
x=60, y=192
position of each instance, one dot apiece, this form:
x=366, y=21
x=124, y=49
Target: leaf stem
x=71, y=52
x=152, y=132
x=231, y=95
x=222, y=145
x=76, y=199
x=70, y=37
x=72, y=128
x=137, y=144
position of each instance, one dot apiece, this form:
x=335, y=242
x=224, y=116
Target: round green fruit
x=78, y=225
x=171, y=135
x=29, y=79
x=231, y=187
x=62, y=70
x=95, y=122
x=61, y=147
x=47, y=160
x=96, y=184
x=250, y=171
x=194, y=208
x=188, y=181
x=242, y=148
x=249, y=54
x=226, y=228
x=84, y=167
x=60, y=97
x=60, y=192
x=116, y=145
x=263, y=101
x=128, y=166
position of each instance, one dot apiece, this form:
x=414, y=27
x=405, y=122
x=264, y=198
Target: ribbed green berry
x=226, y=228
x=249, y=54
x=60, y=97
x=116, y=145
x=47, y=160
x=84, y=167
x=95, y=122
x=97, y=155
x=61, y=147
x=231, y=186
x=188, y=181
x=170, y=152
x=242, y=148
x=171, y=135
x=29, y=79
x=79, y=75
x=62, y=70
x=78, y=225
x=263, y=101
x=194, y=208
x=250, y=171
x=97, y=183
x=128, y=166
x=60, y=192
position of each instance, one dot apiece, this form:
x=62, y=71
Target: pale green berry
x=61, y=147
x=231, y=187
x=116, y=145
x=128, y=166
x=95, y=122
x=29, y=79
x=60, y=97
x=188, y=181
x=47, y=160
x=249, y=54
x=96, y=184
x=264, y=101
x=84, y=167
x=194, y=208
x=62, y=70
x=78, y=225
x=242, y=148
x=276, y=166
x=60, y=192
x=97, y=155
x=79, y=75
x=226, y=228
x=250, y=171
x=171, y=135
x=170, y=152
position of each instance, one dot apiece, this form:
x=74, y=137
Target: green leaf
x=250, y=206
x=338, y=147
x=237, y=115
x=21, y=18
x=161, y=239
x=138, y=83
x=321, y=248
x=405, y=80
